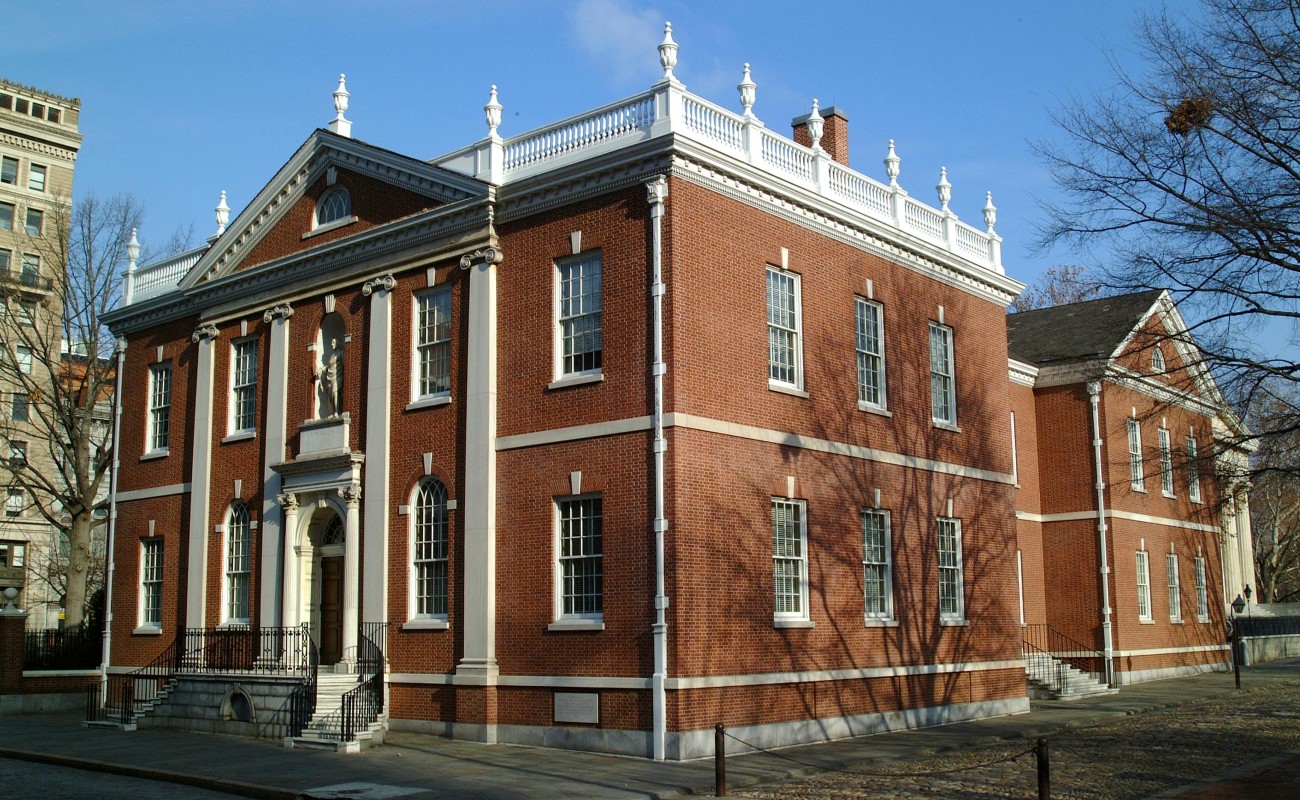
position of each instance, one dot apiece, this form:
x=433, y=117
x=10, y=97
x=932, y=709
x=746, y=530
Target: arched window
x=1157, y=360
x=334, y=206
x=429, y=551
x=239, y=543
x=333, y=531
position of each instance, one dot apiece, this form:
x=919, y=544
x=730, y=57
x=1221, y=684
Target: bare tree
x=1190, y=173
x=58, y=369
x=1058, y=286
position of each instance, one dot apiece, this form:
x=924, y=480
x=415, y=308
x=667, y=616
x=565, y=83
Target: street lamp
x=1237, y=606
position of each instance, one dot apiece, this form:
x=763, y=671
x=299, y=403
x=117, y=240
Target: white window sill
x=1141, y=489
x=879, y=622
x=234, y=625
x=575, y=625
x=793, y=623
x=430, y=402
x=239, y=436
x=1170, y=495
x=785, y=388
x=576, y=380
x=947, y=426
x=425, y=624
x=152, y=454
x=870, y=409
x=1178, y=621
x=953, y=623
x=1198, y=502
x=147, y=630
x=1203, y=620
x=329, y=226
x=1146, y=622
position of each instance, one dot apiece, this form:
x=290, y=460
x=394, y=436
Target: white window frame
x=34, y=170
x=243, y=385
x=877, y=565
x=1136, y=476
x=952, y=591
x=237, y=583
x=784, y=329
x=1157, y=360
x=1202, y=591
x=159, y=398
x=943, y=376
x=15, y=502
x=1175, y=596
x=39, y=228
x=871, y=360
x=430, y=567
x=1166, y=463
x=432, y=327
x=1193, y=470
x=23, y=359
x=328, y=203
x=26, y=406
x=11, y=175
x=789, y=561
x=583, y=324
x=151, y=583
x=1143, y=586
x=9, y=219
x=568, y=568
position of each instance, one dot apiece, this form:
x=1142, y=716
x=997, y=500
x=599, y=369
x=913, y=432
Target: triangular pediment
x=382, y=186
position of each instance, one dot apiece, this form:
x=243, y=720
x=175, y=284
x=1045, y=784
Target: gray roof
x=1076, y=331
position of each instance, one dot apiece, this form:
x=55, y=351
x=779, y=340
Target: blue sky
x=181, y=100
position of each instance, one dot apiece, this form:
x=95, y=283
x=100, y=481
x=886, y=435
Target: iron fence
x=75, y=647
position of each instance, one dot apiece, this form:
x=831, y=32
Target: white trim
x=152, y=492
x=576, y=432
x=577, y=379
x=1165, y=651
x=797, y=365
x=549, y=681
x=1022, y=373
x=425, y=624
x=60, y=673
x=429, y=402
x=1073, y=516
x=329, y=226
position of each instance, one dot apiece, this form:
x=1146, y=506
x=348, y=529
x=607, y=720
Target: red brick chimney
x=835, y=133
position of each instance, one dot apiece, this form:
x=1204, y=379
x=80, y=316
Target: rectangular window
x=581, y=559
x=151, y=576
x=430, y=551
x=1143, y=586
x=1193, y=470
x=15, y=503
x=8, y=170
x=871, y=353
x=23, y=359
x=790, y=559
x=239, y=543
x=243, y=385
x=1166, y=463
x=53, y=115
x=27, y=313
x=13, y=554
x=943, y=395
x=31, y=269
x=1202, y=595
x=952, y=605
x=580, y=315
x=784, y=352
x=877, y=566
x=160, y=406
x=36, y=177
x=17, y=454
x=18, y=407
x=6, y=259
x=35, y=221
x=1136, y=479
x=1175, y=601
x=433, y=341
x=6, y=216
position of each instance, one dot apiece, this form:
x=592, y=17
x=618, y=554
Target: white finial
x=339, y=124
x=990, y=213
x=132, y=250
x=492, y=112
x=668, y=52
x=945, y=188
x=748, y=91
x=223, y=214
x=892, y=162
x=815, y=124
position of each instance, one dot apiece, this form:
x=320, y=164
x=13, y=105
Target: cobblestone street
x=1134, y=757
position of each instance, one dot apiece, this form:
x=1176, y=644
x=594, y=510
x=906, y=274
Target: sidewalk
x=430, y=767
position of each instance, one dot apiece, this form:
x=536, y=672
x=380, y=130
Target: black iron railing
x=126, y=694
x=251, y=650
x=76, y=647
x=302, y=703
x=364, y=704
x=1267, y=626
x=1047, y=652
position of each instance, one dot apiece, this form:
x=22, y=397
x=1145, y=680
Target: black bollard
x=719, y=760
x=1044, y=771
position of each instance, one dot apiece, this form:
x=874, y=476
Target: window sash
x=14, y=502
x=6, y=216
x=1143, y=586
x=1136, y=478
x=429, y=550
x=877, y=577
x=1193, y=471
x=335, y=206
x=581, y=558
x=783, y=327
x=151, y=566
x=580, y=319
x=1166, y=463
x=1202, y=595
x=870, y=341
x=789, y=559
x=244, y=386
x=19, y=407
x=433, y=342
x=36, y=177
x=8, y=170
x=1175, y=598
x=35, y=222
x=943, y=401
x=239, y=542
x=160, y=400
x=951, y=605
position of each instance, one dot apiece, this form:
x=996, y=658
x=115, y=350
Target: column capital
x=205, y=331
x=488, y=255
x=281, y=311
x=351, y=495
x=386, y=283
x=288, y=501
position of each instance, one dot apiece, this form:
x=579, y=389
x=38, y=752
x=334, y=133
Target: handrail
x=364, y=704
x=1048, y=640
x=251, y=649
x=124, y=693
x=302, y=703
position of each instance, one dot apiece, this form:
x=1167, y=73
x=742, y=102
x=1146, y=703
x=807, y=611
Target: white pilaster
x=273, y=535
x=351, y=569
x=479, y=662
x=374, y=602
x=201, y=472
x=292, y=583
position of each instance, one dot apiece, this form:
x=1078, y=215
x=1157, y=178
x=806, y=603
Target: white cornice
x=1077, y=516
x=1021, y=373
x=43, y=148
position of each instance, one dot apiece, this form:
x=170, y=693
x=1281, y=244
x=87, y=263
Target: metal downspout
x=110, y=557
x=656, y=191
x=1094, y=396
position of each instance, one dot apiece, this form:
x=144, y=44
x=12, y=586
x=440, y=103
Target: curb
x=224, y=785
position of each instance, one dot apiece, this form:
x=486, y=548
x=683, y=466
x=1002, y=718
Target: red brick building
x=641, y=422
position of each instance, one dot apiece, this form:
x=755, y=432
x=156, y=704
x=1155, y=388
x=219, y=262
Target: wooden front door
x=331, y=610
